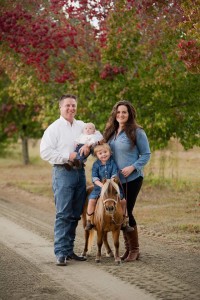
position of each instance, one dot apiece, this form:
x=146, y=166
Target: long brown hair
x=130, y=126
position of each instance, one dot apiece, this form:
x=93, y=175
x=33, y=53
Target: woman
x=131, y=152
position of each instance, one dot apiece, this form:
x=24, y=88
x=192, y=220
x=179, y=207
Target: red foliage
x=46, y=34
x=109, y=72
x=189, y=53
x=155, y=17
x=6, y=108
x=10, y=129
x=42, y=33
x=65, y=77
x=39, y=39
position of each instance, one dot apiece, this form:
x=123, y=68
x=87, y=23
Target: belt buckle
x=76, y=168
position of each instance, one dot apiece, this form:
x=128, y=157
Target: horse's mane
x=106, y=185
x=104, y=194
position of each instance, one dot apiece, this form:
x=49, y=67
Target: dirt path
x=27, y=264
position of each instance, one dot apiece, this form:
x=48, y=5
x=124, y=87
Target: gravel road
x=165, y=270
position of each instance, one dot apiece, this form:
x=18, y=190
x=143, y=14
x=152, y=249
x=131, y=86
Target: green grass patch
x=35, y=188
x=188, y=228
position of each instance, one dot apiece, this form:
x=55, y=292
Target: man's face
x=68, y=108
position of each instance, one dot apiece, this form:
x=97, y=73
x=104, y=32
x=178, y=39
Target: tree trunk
x=25, y=154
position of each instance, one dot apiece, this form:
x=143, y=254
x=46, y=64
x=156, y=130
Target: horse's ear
x=101, y=142
x=116, y=179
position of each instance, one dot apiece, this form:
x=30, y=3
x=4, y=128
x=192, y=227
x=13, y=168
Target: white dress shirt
x=58, y=140
x=88, y=139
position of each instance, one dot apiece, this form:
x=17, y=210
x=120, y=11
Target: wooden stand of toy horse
x=108, y=217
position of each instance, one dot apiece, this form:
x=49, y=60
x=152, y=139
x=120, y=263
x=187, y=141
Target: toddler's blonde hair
x=98, y=148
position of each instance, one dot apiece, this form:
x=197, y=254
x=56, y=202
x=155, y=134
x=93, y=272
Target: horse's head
x=110, y=195
x=110, y=206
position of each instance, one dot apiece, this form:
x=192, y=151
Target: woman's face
x=122, y=114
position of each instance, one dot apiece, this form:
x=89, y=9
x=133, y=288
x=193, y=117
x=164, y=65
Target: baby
x=89, y=136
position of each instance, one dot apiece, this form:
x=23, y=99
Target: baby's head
x=102, y=152
x=89, y=128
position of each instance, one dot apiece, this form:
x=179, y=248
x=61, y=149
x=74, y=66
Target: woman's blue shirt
x=125, y=154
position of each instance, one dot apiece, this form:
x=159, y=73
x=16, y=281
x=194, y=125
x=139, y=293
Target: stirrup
x=127, y=228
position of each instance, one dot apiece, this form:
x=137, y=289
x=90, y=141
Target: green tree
x=144, y=51
x=18, y=120
x=144, y=46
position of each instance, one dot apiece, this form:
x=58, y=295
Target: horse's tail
x=91, y=240
x=99, y=213
x=83, y=216
x=84, y=213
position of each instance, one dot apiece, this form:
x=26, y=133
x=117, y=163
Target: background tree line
x=147, y=52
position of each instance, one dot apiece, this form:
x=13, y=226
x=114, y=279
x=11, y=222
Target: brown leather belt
x=66, y=166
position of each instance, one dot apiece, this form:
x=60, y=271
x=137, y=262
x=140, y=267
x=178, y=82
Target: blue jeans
x=69, y=189
x=82, y=157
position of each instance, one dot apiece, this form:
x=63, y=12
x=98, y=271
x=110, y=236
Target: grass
x=168, y=204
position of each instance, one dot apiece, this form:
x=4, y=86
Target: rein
x=122, y=185
x=123, y=189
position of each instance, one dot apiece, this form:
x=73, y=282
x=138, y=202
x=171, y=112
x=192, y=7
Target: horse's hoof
x=110, y=254
x=118, y=262
x=97, y=260
x=83, y=255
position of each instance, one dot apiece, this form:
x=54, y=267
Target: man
x=69, y=183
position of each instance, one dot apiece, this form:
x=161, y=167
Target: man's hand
x=72, y=156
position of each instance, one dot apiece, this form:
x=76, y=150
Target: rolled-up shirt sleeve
x=58, y=140
x=48, y=152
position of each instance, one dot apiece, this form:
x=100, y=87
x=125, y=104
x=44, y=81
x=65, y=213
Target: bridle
x=107, y=207
x=112, y=210
x=114, y=201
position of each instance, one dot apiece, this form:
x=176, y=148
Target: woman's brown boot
x=125, y=225
x=126, y=245
x=133, y=245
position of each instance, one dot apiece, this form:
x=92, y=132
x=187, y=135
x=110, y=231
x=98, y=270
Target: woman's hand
x=127, y=170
